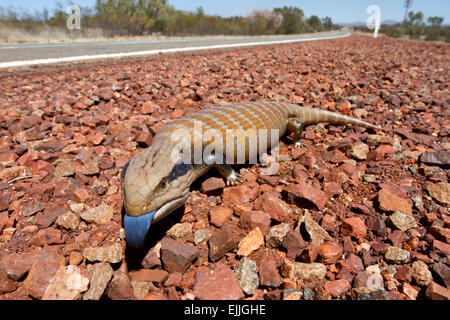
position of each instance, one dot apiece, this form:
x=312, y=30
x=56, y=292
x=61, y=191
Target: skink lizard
x=156, y=181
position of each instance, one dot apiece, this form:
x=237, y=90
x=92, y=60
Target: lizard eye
x=162, y=184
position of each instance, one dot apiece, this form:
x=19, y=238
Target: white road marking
x=22, y=63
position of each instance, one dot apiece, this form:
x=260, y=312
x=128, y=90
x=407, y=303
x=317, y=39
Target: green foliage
x=414, y=26
x=293, y=20
x=141, y=17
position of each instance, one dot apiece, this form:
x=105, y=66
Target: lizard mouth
x=169, y=207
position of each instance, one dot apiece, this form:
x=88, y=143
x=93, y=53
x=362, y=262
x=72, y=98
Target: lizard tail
x=314, y=116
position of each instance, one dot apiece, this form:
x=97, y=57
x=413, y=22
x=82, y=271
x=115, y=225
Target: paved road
x=35, y=54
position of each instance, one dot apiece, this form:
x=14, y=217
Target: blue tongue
x=136, y=228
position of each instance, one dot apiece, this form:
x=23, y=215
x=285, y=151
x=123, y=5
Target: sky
x=340, y=11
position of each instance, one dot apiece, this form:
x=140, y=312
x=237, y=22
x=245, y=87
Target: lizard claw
x=234, y=180
x=299, y=144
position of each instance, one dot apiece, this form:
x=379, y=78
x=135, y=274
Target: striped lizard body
x=156, y=181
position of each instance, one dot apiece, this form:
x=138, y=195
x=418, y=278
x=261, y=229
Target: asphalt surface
x=23, y=54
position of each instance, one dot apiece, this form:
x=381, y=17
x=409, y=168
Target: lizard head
x=154, y=184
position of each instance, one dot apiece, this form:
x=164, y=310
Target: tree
x=263, y=21
x=435, y=21
x=315, y=23
x=415, y=25
x=292, y=20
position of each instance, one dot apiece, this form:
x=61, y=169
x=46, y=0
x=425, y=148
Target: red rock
x=269, y=275
x=17, y=265
x=309, y=254
x=253, y=219
x=437, y=292
x=354, y=262
x=441, y=246
x=144, y=139
x=294, y=243
x=270, y=180
x=221, y=284
x=120, y=286
x=251, y=242
x=241, y=194
x=220, y=215
x=275, y=207
x=354, y=227
x=149, y=275
x=148, y=107
x=329, y=252
x=41, y=273
x=45, y=219
x=8, y=158
x=305, y=196
x=81, y=195
x=47, y=236
x=152, y=258
x=404, y=273
x=212, y=186
x=6, y=284
x=391, y=203
x=335, y=156
x=442, y=234
x=105, y=94
x=177, y=257
x=174, y=279
x=155, y=295
x=337, y=287
x=221, y=242
x=4, y=203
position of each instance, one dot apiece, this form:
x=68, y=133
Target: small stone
x=64, y=168
x=45, y=219
x=176, y=256
x=247, y=276
x=220, y=215
x=410, y=291
x=6, y=284
x=149, y=275
x=439, y=191
x=377, y=225
x=402, y=221
x=337, y=287
x=75, y=258
x=90, y=168
x=99, y=275
x=101, y=214
x=354, y=227
x=200, y=236
x=41, y=274
x=252, y=219
x=437, y=292
x=404, y=273
x=329, y=252
x=268, y=273
x=305, y=196
x=120, y=286
x=67, y=284
x=438, y=158
x=441, y=273
x=68, y=220
x=212, y=186
x=364, y=293
x=221, y=242
x=241, y=194
x=47, y=236
x=421, y=273
x=314, y=271
x=275, y=207
x=251, y=242
x=276, y=234
x=294, y=243
x=442, y=234
x=358, y=152
x=81, y=195
x=316, y=233
x=441, y=246
x=112, y=253
x=153, y=257
x=221, y=284
x=391, y=203
x=180, y=230
x=396, y=255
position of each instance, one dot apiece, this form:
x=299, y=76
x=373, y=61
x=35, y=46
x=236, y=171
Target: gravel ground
x=355, y=214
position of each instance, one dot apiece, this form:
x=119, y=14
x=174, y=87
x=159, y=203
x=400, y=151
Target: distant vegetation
x=110, y=18
x=414, y=27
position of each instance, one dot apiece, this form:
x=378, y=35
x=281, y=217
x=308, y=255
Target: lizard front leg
x=295, y=126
